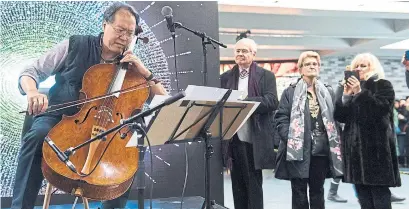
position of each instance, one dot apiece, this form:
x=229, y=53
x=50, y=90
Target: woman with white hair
x=368, y=138
x=309, y=148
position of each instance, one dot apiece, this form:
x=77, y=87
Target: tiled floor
x=277, y=195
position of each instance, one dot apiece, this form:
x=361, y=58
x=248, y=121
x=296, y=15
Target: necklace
x=314, y=106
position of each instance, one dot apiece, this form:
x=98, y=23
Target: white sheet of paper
x=205, y=93
x=256, y=104
x=199, y=93
x=157, y=99
x=133, y=142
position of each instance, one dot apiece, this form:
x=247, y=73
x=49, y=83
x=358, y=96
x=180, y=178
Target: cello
x=105, y=167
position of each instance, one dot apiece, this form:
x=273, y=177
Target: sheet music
x=256, y=104
x=157, y=99
x=166, y=121
x=205, y=93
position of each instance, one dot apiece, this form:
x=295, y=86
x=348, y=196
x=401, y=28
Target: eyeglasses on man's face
x=123, y=32
x=243, y=51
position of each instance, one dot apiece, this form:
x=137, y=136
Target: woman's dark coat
x=368, y=138
x=294, y=169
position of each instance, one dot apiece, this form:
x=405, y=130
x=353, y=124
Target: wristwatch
x=152, y=78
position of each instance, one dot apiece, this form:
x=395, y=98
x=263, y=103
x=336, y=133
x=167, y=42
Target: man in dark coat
x=252, y=148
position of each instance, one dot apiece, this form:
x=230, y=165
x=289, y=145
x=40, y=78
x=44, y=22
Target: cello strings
x=103, y=114
x=84, y=101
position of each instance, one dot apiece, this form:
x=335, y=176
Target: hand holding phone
x=348, y=90
x=349, y=73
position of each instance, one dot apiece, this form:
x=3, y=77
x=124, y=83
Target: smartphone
x=407, y=55
x=349, y=73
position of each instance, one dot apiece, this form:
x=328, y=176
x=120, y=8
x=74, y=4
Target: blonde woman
x=368, y=142
x=309, y=148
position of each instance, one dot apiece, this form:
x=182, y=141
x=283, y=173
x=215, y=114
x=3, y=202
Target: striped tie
x=244, y=74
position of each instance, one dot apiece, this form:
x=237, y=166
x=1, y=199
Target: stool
x=47, y=198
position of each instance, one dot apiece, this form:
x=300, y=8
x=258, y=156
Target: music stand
x=211, y=119
x=207, y=135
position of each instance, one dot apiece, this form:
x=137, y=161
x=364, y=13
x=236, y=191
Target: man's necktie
x=244, y=74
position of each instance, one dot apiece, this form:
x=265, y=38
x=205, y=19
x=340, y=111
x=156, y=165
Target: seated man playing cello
x=68, y=61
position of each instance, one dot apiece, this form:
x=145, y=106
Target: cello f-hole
x=77, y=121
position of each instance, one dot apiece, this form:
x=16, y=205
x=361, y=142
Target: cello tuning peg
x=138, y=30
x=145, y=40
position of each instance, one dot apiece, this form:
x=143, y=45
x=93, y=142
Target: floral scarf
x=295, y=141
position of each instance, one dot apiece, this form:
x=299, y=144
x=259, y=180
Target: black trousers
x=29, y=176
x=247, y=182
x=318, y=170
x=374, y=197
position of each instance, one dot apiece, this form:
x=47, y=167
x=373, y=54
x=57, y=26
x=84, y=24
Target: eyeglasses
x=243, y=51
x=310, y=63
x=122, y=32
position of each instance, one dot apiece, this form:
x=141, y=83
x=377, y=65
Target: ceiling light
x=404, y=45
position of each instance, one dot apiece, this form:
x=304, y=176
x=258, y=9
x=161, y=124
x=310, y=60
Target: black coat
x=368, y=138
x=262, y=129
x=294, y=169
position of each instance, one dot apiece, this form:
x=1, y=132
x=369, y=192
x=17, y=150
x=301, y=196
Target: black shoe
x=332, y=194
x=336, y=198
x=395, y=198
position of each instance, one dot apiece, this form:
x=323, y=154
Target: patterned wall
x=29, y=28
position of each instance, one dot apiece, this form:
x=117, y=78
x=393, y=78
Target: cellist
x=68, y=61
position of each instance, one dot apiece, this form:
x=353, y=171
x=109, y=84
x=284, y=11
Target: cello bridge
x=98, y=130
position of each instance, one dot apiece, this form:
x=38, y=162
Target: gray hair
x=250, y=42
x=109, y=14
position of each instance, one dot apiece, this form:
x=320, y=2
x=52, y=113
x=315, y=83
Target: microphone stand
x=140, y=174
x=176, y=69
x=205, y=41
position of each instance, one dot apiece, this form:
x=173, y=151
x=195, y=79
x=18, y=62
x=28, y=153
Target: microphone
x=168, y=101
x=167, y=13
x=61, y=155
